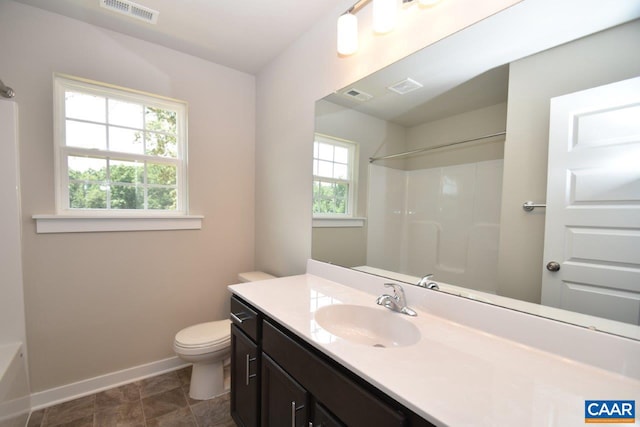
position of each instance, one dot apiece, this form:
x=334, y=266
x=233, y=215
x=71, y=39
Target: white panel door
x=593, y=203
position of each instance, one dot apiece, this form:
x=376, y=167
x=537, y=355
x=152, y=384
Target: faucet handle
x=398, y=292
x=425, y=282
x=425, y=279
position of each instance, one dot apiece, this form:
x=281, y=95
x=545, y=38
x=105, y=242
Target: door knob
x=553, y=266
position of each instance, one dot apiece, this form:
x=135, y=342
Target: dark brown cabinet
x=284, y=401
x=279, y=380
x=245, y=364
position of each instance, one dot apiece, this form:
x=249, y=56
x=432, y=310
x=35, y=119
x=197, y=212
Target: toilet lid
x=204, y=334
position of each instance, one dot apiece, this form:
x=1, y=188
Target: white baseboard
x=46, y=398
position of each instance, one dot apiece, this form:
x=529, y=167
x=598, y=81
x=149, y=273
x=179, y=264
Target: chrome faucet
x=426, y=282
x=397, y=302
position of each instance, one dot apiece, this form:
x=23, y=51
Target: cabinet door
x=353, y=404
x=284, y=401
x=245, y=377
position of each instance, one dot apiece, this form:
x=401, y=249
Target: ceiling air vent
x=357, y=95
x=132, y=10
x=405, y=86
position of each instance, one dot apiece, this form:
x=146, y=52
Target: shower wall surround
x=443, y=221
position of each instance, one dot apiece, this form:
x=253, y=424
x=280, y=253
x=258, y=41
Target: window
x=333, y=177
x=118, y=150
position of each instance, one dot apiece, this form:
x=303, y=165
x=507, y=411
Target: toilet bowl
x=208, y=346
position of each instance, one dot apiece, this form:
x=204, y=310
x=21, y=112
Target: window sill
x=87, y=224
x=338, y=222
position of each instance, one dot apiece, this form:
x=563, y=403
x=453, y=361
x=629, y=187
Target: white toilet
x=207, y=347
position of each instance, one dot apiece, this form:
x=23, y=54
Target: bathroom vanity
x=292, y=364
x=281, y=380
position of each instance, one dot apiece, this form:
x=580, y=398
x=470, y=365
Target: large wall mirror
x=434, y=156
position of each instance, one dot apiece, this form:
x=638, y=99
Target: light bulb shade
x=384, y=15
x=427, y=3
x=347, y=34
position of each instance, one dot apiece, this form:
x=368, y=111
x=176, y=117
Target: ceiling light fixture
x=347, y=34
x=384, y=20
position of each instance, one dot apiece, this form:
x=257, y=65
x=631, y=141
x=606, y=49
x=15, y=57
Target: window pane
x=161, y=120
x=340, y=202
x=161, y=145
x=162, y=198
x=125, y=114
x=325, y=169
x=119, y=149
x=325, y=151
x=126, y=172
x=330, y=197
x=322, y=194
x=87, y=169
x=315, y=149
x=161, y=174
x=340, y=171
x=341, y=154
x=125, y=140
x=127, y=197
x=87, y=196
x=85, y=107
x=85, y=135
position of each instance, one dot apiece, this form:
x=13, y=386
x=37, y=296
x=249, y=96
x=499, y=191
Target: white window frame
x=352, y=180
x=69, y=219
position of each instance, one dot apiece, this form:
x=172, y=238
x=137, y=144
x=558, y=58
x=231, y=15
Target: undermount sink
x=372, y=326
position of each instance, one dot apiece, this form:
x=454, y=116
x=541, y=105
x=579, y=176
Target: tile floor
x=160, y=401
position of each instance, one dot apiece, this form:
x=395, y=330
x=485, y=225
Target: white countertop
x=455, y=375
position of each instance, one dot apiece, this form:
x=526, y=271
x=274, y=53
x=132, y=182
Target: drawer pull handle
x=293, y=413
x=248, y=376
x=236, y=317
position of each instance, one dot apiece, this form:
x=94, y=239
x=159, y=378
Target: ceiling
x=421, y=106
x=243, y=35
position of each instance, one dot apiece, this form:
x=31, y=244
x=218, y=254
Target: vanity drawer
x=245, y=318
x=353, y=404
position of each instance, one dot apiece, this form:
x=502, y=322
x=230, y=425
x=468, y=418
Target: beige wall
x=101, y=302
x=603, y=58
x=286, y=93
x=345, y=246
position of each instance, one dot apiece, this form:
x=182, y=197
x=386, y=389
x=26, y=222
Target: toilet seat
x=203, y=338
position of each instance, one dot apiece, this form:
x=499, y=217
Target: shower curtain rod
x=6, y=91
x=422, y=150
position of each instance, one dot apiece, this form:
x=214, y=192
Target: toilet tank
x=254, y=276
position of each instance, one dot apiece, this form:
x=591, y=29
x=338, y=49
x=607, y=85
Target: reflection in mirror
x=455, y=210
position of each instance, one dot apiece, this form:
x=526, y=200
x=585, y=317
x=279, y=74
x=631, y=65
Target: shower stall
x=443, y=221
x=14, y=385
